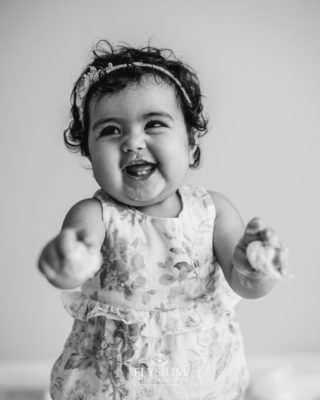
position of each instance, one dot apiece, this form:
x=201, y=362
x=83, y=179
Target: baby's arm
x=73, y=256
x=231, y=241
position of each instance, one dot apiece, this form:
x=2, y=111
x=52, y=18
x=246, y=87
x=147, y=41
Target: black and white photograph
x=160, y=200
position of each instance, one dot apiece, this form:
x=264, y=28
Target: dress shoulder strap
x=107, y=204
x=200, y=200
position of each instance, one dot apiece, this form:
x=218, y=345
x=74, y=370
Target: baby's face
x=139, y=147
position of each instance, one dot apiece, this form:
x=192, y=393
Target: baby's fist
x=263, y=251
x=271, y=261
x=68, y=261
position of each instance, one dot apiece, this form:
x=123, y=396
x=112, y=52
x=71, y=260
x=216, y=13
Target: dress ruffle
x=204, y=314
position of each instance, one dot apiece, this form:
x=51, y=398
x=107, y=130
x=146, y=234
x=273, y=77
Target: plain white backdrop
x=258, y=63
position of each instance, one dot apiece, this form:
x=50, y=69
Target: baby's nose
x=134, y=141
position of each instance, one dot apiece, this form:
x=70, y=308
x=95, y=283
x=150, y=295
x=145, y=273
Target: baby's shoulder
x=217, y=199
x=225, y=210
x=85, y=209
x=220, y=201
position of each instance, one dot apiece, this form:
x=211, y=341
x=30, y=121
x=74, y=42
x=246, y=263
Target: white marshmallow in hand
x=267, y=259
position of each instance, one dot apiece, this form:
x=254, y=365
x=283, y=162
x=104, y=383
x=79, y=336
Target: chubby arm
x=230, y=240
x=73, y=256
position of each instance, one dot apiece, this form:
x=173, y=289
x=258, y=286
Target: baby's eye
x=109, y=131
x=155, y=124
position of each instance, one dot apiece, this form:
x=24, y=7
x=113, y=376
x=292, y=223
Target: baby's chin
x=140, y=197
x=136, y=198
x=160, y=203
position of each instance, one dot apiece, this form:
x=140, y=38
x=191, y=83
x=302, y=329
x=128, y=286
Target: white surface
x=29, y=375
x=273, y=377
x=258, y=62
x=284, y=377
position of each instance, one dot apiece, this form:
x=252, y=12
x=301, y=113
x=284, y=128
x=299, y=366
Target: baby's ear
x=192, y=154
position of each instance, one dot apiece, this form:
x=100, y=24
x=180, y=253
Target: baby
x=161, y=264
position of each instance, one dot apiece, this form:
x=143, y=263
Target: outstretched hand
x=259, y=253
x=69, y=259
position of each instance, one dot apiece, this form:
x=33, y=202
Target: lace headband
x=94, y=75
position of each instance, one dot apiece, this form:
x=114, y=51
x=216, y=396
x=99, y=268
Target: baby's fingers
x=281, y=258
x=241, y=262
x=252, y=233
x=256, y=230
x=49, y=262
x=47, y=270
x=66, y=241
x=270, y=238
x=90, y=241
x=255, y=225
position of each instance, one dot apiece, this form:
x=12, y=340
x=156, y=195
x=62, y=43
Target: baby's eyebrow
x=102, y=121
x=157, y=114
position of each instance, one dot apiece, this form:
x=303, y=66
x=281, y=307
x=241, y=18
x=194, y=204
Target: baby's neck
x=167, y=208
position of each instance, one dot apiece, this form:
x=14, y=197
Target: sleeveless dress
x=156, y=321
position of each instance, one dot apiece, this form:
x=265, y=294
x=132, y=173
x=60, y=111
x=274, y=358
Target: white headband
x=94, y=75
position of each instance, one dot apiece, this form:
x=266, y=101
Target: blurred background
x=258, y=63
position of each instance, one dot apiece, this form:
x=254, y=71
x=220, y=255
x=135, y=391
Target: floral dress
x=156, y=321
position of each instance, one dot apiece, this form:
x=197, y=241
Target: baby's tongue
x=140, y=169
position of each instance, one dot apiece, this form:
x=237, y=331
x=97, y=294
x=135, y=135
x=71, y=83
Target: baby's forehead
x=143, y=83
x=150, y=90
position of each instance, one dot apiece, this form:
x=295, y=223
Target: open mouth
x=139, y=169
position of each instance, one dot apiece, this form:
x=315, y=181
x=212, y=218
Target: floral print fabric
x=156, y=321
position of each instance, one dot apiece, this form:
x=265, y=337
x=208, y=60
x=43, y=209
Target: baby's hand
x=260, y=254
x=68, y=260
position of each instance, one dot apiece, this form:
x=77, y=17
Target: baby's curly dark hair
x=104, y=53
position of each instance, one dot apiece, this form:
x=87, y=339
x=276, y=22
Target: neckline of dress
x=134, y=210
x=151, y=217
